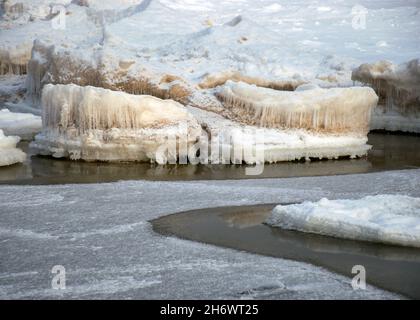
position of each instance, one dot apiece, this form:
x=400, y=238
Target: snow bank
x=98, y=124
x=398, y=87
x=24, y=125
x=330, y=110
x=89, y=108
x=391, y=219
x=9, y=154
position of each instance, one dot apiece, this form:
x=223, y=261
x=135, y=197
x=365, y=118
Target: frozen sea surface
x=100, y=233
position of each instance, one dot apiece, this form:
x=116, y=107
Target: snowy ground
x=101, y=235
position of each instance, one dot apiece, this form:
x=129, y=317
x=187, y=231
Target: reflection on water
x=394, y=268
x=389, y=152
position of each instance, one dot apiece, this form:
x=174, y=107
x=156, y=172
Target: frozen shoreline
x=77, y=220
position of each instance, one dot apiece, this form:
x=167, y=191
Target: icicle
x=330, y=110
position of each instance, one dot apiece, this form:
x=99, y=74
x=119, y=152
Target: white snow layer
x=24, y=125
x=9, y=154
x=390, y=219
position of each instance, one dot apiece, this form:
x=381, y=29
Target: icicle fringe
x=329, y=110
x=88, y=108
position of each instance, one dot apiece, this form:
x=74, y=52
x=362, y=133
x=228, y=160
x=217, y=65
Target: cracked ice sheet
x=101, y=234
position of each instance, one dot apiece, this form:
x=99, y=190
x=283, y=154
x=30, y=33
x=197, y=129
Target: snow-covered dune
x=390, y=219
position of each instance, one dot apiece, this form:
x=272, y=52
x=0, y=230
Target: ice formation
x=390, y=219
x=14, y=60
x=98, y=124
x=203, y=45
x=9, y=154
x=398, y=87
x=274, y=145
x=24, y=125
x=329, y=110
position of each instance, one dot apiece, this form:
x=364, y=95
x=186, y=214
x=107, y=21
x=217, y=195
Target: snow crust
x=9, y=154
x=391, y=219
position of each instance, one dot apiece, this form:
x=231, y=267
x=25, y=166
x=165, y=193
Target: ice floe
x=390, y=219
x=9, y=154
x=24, y=125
